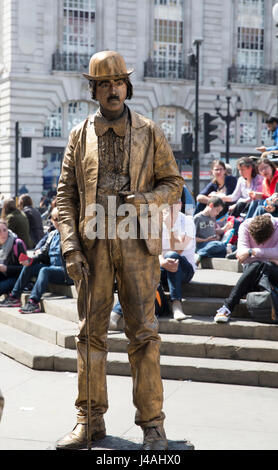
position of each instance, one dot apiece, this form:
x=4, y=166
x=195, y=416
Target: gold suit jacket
x=153, y=173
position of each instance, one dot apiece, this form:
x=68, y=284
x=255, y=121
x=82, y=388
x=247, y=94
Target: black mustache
x=113, y=97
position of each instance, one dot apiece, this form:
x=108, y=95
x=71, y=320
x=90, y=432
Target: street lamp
x=229, y=117
x=194, y=60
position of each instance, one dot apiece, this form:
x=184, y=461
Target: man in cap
x=122, y=156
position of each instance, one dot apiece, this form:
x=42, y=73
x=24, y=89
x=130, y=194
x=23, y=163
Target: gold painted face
x=111, y=95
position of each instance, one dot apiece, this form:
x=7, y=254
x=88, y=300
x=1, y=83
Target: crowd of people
x=23, y=229
x=234, y=217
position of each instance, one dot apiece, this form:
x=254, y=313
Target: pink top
x=264, y=252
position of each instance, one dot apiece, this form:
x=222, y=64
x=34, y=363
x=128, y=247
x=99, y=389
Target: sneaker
x=177, y=310
x=31, y=307
x=114, y=319
x=231, y=255
x=10, y=301
x=222, y=315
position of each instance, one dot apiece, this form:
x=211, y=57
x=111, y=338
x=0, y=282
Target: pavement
x=39, y=409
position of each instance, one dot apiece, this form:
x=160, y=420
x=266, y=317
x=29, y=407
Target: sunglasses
x=56, y=219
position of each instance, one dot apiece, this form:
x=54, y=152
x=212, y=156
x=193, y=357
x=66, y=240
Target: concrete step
x=205, y=326
x=49, y=328
x=231, y=265
x=30, y=351
x=205, y=282
x=39, y=354
x=207, y=347
x=67, y=308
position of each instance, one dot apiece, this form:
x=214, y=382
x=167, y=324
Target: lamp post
x=194, y=60
x=275, y=17
x=228, y=118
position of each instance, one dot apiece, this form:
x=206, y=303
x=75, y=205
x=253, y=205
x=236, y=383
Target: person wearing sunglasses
x=47, y=266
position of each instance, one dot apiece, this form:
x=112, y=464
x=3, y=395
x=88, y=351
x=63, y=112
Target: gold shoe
x=155, y=438
x=77, y=438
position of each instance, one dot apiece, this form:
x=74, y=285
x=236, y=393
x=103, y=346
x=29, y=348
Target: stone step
x=207, y=347
x=205, y=326
x=49, y=328
x=67, y=308
x=38, y=354
x=231, y=265
x=205, y=282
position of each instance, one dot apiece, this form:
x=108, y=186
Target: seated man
x=208, y=233
x=257, y=243
x=48, y=266
x=176, y=261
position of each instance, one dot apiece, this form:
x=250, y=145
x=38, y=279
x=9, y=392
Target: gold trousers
x=137, y=274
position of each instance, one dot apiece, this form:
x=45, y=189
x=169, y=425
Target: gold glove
x=76, y=263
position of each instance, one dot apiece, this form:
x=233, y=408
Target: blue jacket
x=275, y=138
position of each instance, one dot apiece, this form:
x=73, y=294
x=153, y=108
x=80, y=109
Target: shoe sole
x=10, y=306
x=28, y=311
x=83, y=445
x=221, y=320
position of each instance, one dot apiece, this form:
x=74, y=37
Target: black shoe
x=231, y=255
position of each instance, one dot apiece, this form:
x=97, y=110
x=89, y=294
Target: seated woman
x=11, y=248
x=48, y=266
x=25, y=204
x=248, y=181
x=267, y=169
x=17, y=222
x=176, y=261
x=221, y=185
x=257, y=243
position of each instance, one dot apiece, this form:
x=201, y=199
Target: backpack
x=261, y=307
x=162, y=308
x=15, y=246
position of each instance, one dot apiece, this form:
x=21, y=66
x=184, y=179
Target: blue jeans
x=261, y=210
x=253, y=207
x=6, y=284
x=175, y=280
x=45, y=274
x=214, y=249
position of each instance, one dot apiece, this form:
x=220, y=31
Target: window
x=250, y=33
x=249, y=129
x=173, y=122
x=53, y=127
x=63, y=119
x=77, y=112
x=168, y=35
x=79, y=26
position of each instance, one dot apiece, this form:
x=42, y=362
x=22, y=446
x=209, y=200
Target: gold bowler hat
x=107, y=65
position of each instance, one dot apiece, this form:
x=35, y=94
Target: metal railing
x=251, y=76
x=70, y=62
x=168, y=69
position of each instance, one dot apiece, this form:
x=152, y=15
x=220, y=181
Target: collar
x=102, y=124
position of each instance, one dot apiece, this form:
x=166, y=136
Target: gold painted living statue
x=115, y=158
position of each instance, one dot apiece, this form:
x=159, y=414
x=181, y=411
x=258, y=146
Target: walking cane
x=88, y=362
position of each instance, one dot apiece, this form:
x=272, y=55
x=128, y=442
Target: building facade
x=45, y=45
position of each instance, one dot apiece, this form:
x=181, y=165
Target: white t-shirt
x=184, y=225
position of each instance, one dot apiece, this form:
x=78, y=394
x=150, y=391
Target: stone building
x=45, y=45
